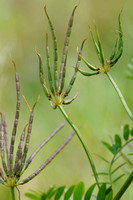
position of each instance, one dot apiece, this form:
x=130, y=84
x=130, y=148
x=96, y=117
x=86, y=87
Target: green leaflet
x=102, y=192
x=78, y=191
x=89, y=192
x=59, y=192
x=126, y=132
x=69, y=192
x=118, y=141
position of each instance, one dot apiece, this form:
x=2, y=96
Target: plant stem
x=120, y=95
x=81, y=141
x=124, y=187
x=13, y=193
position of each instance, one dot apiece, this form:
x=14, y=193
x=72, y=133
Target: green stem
x=82, y=142
x=120, y=95
x=124, y=187
x=13, y=193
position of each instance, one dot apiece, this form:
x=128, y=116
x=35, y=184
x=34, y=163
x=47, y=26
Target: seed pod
x=89, y=65
x=88, y=73
x=75, y=73
x=41, y=76
x=55, y=51
x=65, y=50
x=100, y=48
x=48, y=67
x=120, y=44
x=15, y=121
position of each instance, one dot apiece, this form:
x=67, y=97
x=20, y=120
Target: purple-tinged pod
x=75, y=72
x=15, y=121
x=65, y=51
x=19, y=151
x=2, y=146
x=41, y=76
x=68, y=101
x=47, y=161
x=48, y=67
x=26, y=147
x=6, y=140
x=55, y=51
x=29, y=160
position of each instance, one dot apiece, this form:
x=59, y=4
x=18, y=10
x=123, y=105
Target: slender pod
x=2, y=151
x=100, y=48
x=120, y=44
x=19, y=151
x=68, y=89
x=89, y=65
x=66, y=102
x=95, y=44
x=47, y=161
x=65, y=51
x=114, y=57
x=41, y=76
x=6, y=139
x=40, y=147
x=26, y=147
x=48, y=67
x=114, y=49
x=55, y=51
x=15, y=121
x=88, y=73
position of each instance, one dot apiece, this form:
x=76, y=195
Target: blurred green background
x=97, y=109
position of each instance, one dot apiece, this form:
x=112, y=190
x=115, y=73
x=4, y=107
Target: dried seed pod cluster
x=14, y=168
x=56, y=83
x=108, y=63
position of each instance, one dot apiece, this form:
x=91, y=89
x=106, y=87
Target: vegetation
x=120, y=166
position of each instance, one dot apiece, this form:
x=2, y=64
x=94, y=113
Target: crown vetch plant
x=57, y=96
x=12, y=171
x=14, y=166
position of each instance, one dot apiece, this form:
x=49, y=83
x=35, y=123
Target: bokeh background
x=97, y=109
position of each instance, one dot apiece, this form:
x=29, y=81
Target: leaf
x=69, y=192
x=117, y=141
x=126, y=132
x=89, y=192
x=118, y=178
x=115, y=149
x=59, y=192
x=33, y=196
x=79, y=191
x=109, y=194
x=102, y=158
x=118, y=167
x=51, y=192
x=131, y=132
x=101, y=193
x=108, y=146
